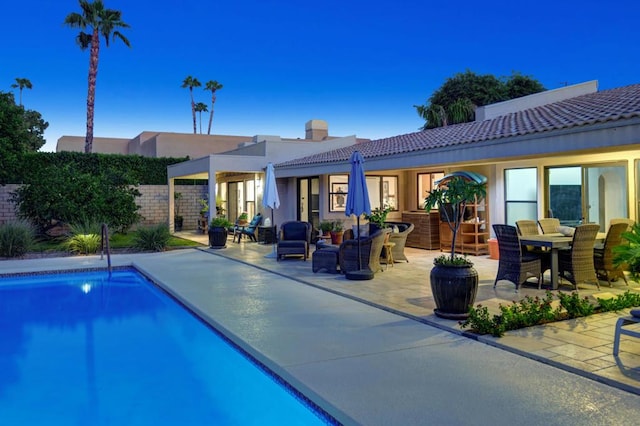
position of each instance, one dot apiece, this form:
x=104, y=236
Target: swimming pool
x=83, y=348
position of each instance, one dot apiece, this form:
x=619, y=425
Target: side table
x=267, y=234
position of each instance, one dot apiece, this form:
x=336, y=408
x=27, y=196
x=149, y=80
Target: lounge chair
x=399, y=238
x=250, y=230
x=295, y=239
x=370, y=251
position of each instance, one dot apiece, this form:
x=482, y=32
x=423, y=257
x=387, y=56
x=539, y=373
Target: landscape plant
x=99, y=22
x=535, y=311
x=16, y=238
x=154, y=237
x=84, y=236
x=62, y=195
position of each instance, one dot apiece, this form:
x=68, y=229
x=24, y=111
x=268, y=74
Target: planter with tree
x=218, y=232
x=454, y=281
x=202, y=220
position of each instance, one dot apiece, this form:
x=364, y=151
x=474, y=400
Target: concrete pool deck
x=372, y=352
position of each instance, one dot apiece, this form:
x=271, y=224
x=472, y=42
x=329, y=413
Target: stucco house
x=572, y=152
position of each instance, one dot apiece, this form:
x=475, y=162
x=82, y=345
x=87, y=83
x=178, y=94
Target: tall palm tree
x=98, y=21
x=201, y=107
x=22, y=83
x=212, y=85
x=192, y=82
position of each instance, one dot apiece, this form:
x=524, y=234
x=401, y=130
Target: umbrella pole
x=273, y=254
x=359, y=256
x=360, y=274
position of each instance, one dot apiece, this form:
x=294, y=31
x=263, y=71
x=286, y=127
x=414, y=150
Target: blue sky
x=359, y=65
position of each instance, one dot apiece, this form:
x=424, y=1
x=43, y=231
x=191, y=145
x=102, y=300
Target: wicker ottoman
x=325, y=258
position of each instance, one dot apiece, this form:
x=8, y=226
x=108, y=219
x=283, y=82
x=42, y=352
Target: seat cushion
x=292, y=243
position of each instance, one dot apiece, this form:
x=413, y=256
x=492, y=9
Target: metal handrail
x=104, y=236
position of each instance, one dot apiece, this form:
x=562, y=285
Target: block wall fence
x=154, y=204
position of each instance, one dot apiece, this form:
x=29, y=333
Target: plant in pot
x=337, y=232
x=377, y=218
x=177, y=218
x=627, y=255
x=326, y=226
x=218, y=232
x=243, y=219
x=454, y=281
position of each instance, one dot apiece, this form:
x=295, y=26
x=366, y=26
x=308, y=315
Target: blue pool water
x=83, y=349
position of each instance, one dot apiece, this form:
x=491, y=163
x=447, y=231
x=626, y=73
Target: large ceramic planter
x=217, y=237
x=454, y=289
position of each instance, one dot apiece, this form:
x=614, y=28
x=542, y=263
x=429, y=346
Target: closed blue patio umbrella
x=270, y=196
x=358, y=204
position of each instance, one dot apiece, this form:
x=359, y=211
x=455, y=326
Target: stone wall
x=154, y=204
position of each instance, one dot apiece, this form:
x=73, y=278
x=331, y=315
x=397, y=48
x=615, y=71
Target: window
x=338, y=186
x=250, y=195
x=383, y=191
x=426, y=183
x=521, y=197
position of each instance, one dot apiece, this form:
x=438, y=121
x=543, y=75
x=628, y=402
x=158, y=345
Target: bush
x=85, y=237
x=16, y=239
x=83, y=243
x=62, y=194
x=534, y=311
x=154, y=237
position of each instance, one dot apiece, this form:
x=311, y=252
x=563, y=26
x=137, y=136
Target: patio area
x=583, y=346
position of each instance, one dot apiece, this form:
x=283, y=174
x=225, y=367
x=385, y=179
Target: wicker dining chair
x=628, y=221
x=515, y=265
x=603, y=256
x=549, y=225
x=530, y=227
x=576, y=264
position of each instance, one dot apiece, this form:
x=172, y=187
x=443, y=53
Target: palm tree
x=22, y=83
x=192, y=82
x=98, y=21
x=201, y=107
x=212, y=85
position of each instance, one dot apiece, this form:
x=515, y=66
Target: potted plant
x=454, y=281
x=177, y=219
x=337, y=232
x=218, y=232
x=627, y=255
x=326, y=226
x=243, y=219
x=377, y=218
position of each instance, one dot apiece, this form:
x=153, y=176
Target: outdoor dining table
x=554, y=242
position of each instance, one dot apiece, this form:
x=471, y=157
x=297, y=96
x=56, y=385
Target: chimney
x=316, y=130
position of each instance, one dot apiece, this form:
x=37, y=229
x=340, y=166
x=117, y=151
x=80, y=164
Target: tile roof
x=607, y=105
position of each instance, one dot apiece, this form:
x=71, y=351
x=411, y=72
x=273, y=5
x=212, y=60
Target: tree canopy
x=456, y=100
x=21, y=131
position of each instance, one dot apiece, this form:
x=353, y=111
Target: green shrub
x=83, y=243
x=154, y=237
x=16, y=238
x=534, y=311
x=576, y=306
x=62, y=194
x=623, y=301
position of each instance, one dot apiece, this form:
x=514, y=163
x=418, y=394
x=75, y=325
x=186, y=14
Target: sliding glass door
x=589, y=194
